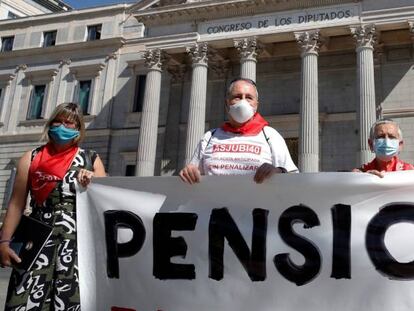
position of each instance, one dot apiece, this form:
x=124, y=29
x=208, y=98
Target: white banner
x=326, y=241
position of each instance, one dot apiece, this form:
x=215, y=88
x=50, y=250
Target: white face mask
x=241, y=111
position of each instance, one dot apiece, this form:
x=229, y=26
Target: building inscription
x=281, y=20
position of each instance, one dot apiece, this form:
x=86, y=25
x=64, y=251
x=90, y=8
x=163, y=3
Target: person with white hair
x=244, y=145
x=386, y=141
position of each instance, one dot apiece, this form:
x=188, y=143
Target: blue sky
x=80, y=4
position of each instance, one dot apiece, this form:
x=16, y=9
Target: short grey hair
x=232, y=83
x=384, y=121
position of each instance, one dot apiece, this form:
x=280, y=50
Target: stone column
x=366, y=111
x=4, y=104
x=147, y=144
x=108, y=91
x=248, y=50
x=309, y=43
x=15, y=99
x=63, y=81
x=197, y=110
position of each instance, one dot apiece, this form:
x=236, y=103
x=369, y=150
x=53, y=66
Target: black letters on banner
x=383, y=261
x=166, y=246
x=223, y=226
x=299, y=275
x=341, y=250
x=114, y=220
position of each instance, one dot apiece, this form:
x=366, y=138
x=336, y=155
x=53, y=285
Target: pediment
x=153, y=4
x=162, y=12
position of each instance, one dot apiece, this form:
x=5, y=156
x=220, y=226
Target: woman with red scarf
x=48, y=173
x=243, y=145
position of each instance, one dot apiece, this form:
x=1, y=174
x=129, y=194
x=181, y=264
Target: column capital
x=153, y=59
x=198, y=53
x=111, y=56
x=309, y=42
x=411, y=28
x=248, y=48
x=65, y=61
x=365, y=36
x=21, y=67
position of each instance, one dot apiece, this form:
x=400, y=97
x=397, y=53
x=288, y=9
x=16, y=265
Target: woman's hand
x=265, y=171
x=84, y=177
x=190, y=174
x=7, y=255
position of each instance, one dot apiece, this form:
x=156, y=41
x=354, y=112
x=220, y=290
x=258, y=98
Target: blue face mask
x=62, y=135
x=386, y=148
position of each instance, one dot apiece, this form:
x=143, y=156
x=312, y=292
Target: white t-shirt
x=225, y=153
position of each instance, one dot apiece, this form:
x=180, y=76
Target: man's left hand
x=266, y=171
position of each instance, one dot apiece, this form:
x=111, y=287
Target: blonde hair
x=70, y=111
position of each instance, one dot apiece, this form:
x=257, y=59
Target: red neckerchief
x=252, y=127
x=393, y=165
x=47, y=168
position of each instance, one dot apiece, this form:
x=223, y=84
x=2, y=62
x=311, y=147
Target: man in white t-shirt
x=243, y=145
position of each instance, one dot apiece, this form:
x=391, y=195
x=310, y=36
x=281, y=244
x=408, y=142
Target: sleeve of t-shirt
x=198, y=155
x=280, y=151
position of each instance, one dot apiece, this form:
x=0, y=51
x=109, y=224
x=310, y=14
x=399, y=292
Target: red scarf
x=47, y=168
x=252, y=127
x=395, y=164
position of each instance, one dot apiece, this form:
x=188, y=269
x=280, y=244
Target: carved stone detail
x=220, y=68
x=21, y=67
x=365, y=36
x=111, y=56
x=65, y=62
x=198, y=53
x=248, y=48
x=154, y=59
x=309, y=41
x=411, y=26
x=177, y=73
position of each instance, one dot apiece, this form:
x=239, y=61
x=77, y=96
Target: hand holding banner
x=300, y=241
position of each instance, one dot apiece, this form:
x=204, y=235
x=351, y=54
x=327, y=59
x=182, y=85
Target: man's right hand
x=190, y=174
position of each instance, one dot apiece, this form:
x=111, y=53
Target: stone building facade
x=152, y=76
x=21, y=8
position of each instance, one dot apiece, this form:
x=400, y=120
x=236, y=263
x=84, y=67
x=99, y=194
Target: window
x=49, y=38
x=11, y=15
x=139, y=93
x=94, y=32
x=130, y=170
x=36, y=102
x=84, y=95
x=7, y=43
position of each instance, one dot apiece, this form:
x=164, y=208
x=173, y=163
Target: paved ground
x=4, y=281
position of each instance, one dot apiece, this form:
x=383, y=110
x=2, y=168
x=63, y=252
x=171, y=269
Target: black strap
x=267, y=140
x=90, y=157
x=212, y=133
